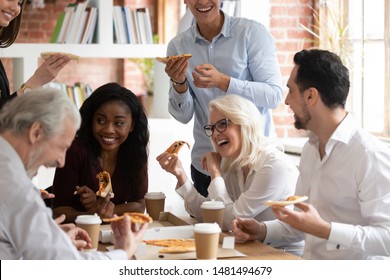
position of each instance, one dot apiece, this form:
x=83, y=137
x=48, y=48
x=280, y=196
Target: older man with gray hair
x=35, y=130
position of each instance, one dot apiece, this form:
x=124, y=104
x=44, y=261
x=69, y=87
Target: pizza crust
x=289, y=201
x=173, y=245
x=176, y=147
x=173, y=57
x=135, y=217
x=46, y=55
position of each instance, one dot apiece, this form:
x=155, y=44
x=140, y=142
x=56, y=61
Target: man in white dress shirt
x=37, y=129
x=344, y=171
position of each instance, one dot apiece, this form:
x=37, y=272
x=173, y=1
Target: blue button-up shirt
x=244, y=50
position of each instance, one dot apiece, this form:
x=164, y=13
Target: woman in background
x=113, y=137
x=10, y=20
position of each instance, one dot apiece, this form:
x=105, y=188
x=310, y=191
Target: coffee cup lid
x=88, y=219
x=207, y=228
x=154, y=195
x=212, y=204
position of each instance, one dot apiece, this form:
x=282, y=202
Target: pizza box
x=167, y=219
x=151, y=252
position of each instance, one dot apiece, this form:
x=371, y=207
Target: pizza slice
x=288, y=201
x=173, y=57
x=46, y=55
x=176, y=146
x=135, y=217
x=173, y=245
x=105, y=186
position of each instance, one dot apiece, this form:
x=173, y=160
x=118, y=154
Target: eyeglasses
x=220, y=126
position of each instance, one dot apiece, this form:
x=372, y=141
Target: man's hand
x=248, y=229
x=176, y=69
x=207, y=76
x=79, y=237
x=127, y=237
x=308, y=220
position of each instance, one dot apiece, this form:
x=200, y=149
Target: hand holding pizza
x=308, y=220
x=126, y=237
x=172, y=164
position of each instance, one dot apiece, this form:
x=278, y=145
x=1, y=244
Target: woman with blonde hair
x=246, y=168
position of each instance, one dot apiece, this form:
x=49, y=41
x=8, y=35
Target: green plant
x=146, y=65
x=331, y=32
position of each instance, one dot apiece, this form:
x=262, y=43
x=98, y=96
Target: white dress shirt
x=273, y=178
x=350, y=187
x=27, y=229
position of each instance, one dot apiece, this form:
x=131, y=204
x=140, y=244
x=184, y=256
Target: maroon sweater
x=78, y=172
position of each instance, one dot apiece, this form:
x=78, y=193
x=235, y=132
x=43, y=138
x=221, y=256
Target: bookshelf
x=26, y=56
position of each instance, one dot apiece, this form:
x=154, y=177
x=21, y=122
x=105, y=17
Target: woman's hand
x=211, y=162
x=48, y=70
x=172, y=164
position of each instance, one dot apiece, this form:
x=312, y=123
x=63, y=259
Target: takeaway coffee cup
x=91, y=224
x=212, y=212
x=206, y=240
x=155, y=202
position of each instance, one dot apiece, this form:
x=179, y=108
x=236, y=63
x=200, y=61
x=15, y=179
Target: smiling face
x=228, y=142
x=111, y=124
x=51, y=152
x=295, y=99
x=9, y=10
x=206, y=12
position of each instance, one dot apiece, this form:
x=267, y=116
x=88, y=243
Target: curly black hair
x=133, y=153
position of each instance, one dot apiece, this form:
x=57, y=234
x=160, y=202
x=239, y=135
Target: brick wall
x=284, y=25
x=286, y=15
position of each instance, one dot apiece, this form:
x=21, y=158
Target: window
x=370, y=85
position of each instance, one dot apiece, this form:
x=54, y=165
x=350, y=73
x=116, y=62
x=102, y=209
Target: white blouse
x=273, y=178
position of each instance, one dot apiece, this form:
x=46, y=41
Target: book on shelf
x=57, y=28
x=77, y=24
x=132, y=26
x=65, y=24
x=77, y=93
x=90, y=26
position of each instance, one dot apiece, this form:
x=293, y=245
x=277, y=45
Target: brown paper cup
x=155, y=203
x=91, y=224
x=206, y=240
x=212, y=212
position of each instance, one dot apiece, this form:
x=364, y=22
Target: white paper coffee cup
x=91, y=224
x=206, y=240
x=212, y=212
x=155, y=203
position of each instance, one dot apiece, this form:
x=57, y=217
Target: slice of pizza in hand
x=105, y=186
x=176, y=147
x=173, y=57
x=135, y=217
x=288, y=201
x=46, y=55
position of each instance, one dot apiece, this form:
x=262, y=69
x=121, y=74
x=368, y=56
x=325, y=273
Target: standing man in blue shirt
x=229, y=56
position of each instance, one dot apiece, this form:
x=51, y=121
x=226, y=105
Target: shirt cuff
x=117, y=255
x=340, y=237
x=184, y=189
x=217, y=190
x=273, y=236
